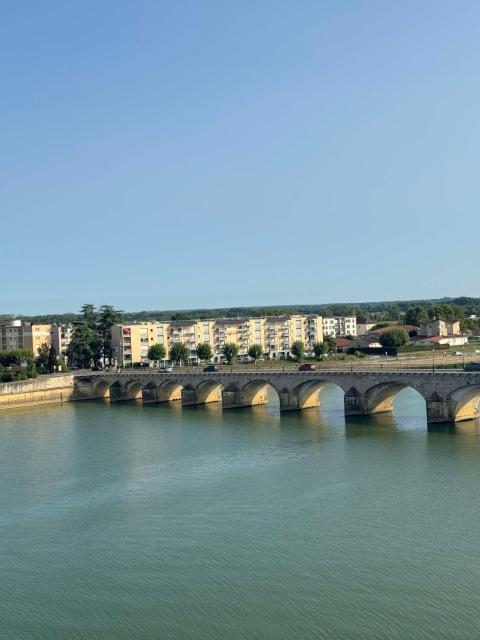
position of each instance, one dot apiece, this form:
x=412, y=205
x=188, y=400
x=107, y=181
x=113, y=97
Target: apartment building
x=340, y=327
x=162, y=332
x=191, y=333
x=11, y=335
x=275, y=335
x=235, y=331
x=313, y=331
x=61, y=334
x=24, y=335
x=131, y=342
x=281, y=332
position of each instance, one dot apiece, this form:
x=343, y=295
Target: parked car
x=472, y=366
x=210, y=367
x=166, y=369
x=457, y=353
x=307, y=367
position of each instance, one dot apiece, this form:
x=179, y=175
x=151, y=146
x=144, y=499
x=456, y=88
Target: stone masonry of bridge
x=449, y=395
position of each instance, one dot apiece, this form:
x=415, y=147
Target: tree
x=415, y=314
x=42, y=358
x=330, y=344
x=472, y=325
x=204, y=351
x=83, y=346
x=319, y=348
x=96, y=345
x=15, y=357
x=52, y=359
x=255, y=352
x=180, y=316
x=394, y=337
x=89, y=314
x=298, y=350
x=157, y=352
x=230, y=352
x=107, y=318
x=179, y=352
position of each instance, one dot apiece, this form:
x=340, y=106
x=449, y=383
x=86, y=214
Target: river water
x=152, y=522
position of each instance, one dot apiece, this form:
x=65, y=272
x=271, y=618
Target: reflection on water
x=130, y=521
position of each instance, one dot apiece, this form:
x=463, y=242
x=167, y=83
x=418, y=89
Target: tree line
x=180, y=352
x=378, y=311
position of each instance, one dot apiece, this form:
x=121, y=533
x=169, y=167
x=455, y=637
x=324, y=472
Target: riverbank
x=48, y=389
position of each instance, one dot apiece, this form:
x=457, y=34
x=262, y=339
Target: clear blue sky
x=199, y=154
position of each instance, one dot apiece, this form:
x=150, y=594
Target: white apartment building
x=61, y=335
x=340, y=326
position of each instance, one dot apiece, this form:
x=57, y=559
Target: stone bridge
x=449, y=395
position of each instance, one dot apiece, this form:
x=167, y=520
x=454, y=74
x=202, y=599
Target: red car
x=307, y=367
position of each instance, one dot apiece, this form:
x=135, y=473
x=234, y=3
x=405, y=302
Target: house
x=439, y=327
x=451, y=341
x=369, y=341
x=365, y=327
x=343, y=344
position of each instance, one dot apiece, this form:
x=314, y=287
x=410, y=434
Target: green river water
x=152, y=522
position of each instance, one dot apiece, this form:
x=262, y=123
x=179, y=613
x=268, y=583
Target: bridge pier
x=122, y=393
x=290, y=401
x=150, y=395
x=235, y=399
x=358, y=405
x=355, y=405
x=446, y=411
x=439, y=411
x=192, y=397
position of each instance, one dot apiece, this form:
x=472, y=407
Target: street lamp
x=433, y=359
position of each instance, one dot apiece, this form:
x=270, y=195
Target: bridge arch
x=256, y=392
x=133, y=390
x=101, y=389
x=308, y=393
x=464, y=402
x=209, y=391
x=380, y=397
x=170, y=391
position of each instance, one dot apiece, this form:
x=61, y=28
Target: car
x=166, y=369
x=457, y=353
x=472, y=366
x=307, y=367
x=210, y=367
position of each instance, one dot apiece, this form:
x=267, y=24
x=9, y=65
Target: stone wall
x=42, y=390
